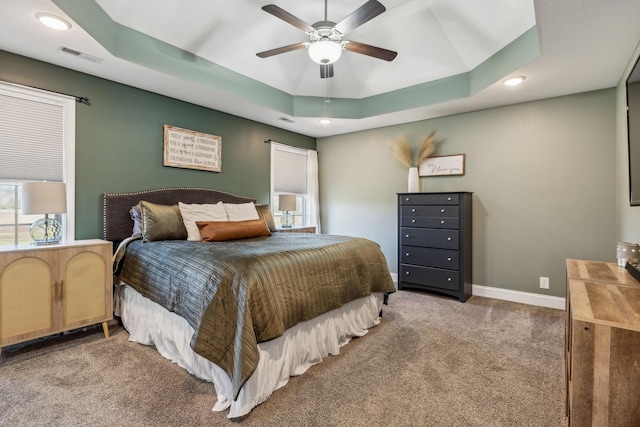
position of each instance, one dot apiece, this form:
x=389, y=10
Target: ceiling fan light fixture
x=53, y=21
x=325, y=51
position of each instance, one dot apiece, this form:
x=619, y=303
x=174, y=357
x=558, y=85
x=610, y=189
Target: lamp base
x=287, y=219
x=46, y=231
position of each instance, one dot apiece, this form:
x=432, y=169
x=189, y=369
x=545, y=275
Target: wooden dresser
x=54, y=288
x=602, y=345
x=434, y=242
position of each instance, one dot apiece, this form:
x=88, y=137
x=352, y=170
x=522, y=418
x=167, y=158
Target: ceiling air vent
x=285, y=119
x=80, y=54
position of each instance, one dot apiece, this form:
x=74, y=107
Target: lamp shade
x=44, y=197
x=325, y=51
x=287, y=202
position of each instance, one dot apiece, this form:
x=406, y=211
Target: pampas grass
x=427, y=148
x=402, y=150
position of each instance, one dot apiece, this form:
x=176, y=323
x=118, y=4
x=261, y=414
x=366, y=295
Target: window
x=37, y=139
x=294, y=171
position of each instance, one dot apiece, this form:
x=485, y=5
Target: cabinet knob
x=449, y=279
x=406, y=199
x=406, y=235
x=413, y=210
x=449, y=238
x=448, y=258
x=406, y=273
x=442, y=222
x=449, y=198
x=407, y=254
x=441, y=210
x=413, y=220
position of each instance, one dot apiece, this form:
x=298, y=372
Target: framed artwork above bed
x=188, y=149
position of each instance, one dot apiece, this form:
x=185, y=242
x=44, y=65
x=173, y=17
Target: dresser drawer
x=430, y=199
x=429, y=257
x=433, y=211
x=434, y=277
x=428, y=222
x=430, y=238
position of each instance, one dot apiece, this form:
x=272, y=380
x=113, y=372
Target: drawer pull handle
x=449, y=198
x=406, y=273
x=449, y=279
x=449, y=238
x=407, y=254
x=407, y=199
x=406, y=235
x=413, y=210
x=413, y=220
x=442, y=222
x=441, y=210
x=448, y=258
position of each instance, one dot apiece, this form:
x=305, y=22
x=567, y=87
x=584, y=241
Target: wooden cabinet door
x=28, y=288
x=85, y=281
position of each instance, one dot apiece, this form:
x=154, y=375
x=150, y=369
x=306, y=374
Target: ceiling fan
x=325, y=37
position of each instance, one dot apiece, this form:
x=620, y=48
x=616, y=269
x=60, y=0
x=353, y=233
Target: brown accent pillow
x=264, y=212
x=221, y=231
x=161, y=222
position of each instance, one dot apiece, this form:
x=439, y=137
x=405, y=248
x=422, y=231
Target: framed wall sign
x=442, y=165
x=184, y=148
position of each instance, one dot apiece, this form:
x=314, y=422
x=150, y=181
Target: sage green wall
x=628, y=216
x=119, y=140
x=542, y=174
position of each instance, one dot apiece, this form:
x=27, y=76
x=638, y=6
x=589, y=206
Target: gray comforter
x=239, y=293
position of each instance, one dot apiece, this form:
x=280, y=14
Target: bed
x=236, y=302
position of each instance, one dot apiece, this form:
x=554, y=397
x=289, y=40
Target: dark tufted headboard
x=117, y=224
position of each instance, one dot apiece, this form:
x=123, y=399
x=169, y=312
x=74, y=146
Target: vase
x=414, y=180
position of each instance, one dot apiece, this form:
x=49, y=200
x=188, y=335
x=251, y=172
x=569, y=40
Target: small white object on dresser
x=49, y=289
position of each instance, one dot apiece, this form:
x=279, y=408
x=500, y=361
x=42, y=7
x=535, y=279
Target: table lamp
x=44, y=197
x=287, y=204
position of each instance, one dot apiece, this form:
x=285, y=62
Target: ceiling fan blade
x=365, y=49
x=326, y=71
x=283, y=49
x=287, y=17
x=364, y=13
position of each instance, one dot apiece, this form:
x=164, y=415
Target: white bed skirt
x=300, y=347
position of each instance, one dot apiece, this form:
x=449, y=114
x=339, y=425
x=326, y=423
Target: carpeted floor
x=432, y=361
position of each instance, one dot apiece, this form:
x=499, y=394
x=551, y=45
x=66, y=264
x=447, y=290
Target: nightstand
x=311, y=229
x=49, y=289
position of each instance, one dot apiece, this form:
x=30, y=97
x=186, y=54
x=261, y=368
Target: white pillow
x=194, y=212
x=241, y=211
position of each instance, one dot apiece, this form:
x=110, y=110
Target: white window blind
x=289, y=170
x=31, y=138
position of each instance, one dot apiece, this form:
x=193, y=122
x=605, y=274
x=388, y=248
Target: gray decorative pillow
x=136, y=217
x=161, y=222
x=264, y=212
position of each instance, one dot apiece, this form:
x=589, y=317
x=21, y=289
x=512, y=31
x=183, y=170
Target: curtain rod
x=80, y=99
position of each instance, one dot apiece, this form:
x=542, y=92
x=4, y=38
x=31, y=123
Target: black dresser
x=434, y=243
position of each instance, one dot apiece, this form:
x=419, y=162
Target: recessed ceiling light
x=325, y=122
x=53, y=21
x=513, y=81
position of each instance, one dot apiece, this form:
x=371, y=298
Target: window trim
x=68, y=103
x=272, y=193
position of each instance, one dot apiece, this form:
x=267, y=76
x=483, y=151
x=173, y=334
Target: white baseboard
x=511, y=295
x=519, y=296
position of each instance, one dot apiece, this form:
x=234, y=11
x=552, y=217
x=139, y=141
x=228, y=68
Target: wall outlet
x=544, y=283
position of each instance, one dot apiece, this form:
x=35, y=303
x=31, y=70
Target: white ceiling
x=583, y=45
